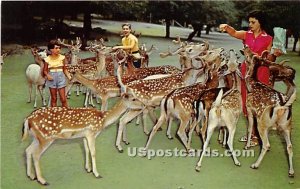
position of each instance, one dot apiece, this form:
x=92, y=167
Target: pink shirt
x=258, y=44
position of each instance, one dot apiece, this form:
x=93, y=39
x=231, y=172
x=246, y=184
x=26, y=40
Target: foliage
x=281, y=13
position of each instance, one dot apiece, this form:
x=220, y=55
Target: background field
x=63, y=163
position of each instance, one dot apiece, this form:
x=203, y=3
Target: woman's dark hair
x=52, y=44
x=260, y=16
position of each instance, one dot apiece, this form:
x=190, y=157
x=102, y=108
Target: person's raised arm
x=232, y=32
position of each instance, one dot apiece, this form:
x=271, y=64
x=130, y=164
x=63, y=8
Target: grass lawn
x=63, y=163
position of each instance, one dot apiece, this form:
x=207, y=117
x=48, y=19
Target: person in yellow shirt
x=130, y=44
x=55, y=72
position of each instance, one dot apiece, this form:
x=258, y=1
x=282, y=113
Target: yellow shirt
x=128, y=41
x=57, y=62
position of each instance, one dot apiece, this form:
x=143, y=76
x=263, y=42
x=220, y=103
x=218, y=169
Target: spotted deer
x=206, y=99
x=179, y=103
x=145, y=53
x=143, y=95
x=186, y=52
x=108, y=87
x=74, y=49
x=46, y=125
x=278, y=71
x=269, y=108
x=225, y=111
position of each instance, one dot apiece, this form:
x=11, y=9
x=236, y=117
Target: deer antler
x=177, y=41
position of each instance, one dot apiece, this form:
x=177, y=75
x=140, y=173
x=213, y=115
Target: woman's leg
x=53, y=93
x=63, y=98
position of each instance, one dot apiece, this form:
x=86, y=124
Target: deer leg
x=145, y=113
x=220, y=135
x=263, y=133
x=68, y=90
x=210, y=130
x=91, y=101
x=36, y=154
x=138, y=120
x=250, y=128
x=104, y=103
x=182, y=134
x=85, y=104
x=204, y=124
x=224, y=136
x=160, y=121
x=30, y=92
x=77, y=89
x=190, y=134
x=35, y=96
x=42, y=93
x=29, y=151
x=127, y=117
x=289, y=147
x=88, y=167
x=91, y=146
x=284, y=123
x=152, y=116
x=231, y=131
x=170, y=121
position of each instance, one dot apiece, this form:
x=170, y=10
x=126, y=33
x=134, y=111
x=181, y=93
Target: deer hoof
x=32, y=177
x=127, y=143
x=170, y=138
x=254, y=166
x=197, y=168
x=43, y=183
x=99, y=176
x=291, y=174
x=89, y=170
x=147, y=133
x=120, y=149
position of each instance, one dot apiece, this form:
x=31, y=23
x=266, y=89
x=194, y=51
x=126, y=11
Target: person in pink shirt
x=258, y=41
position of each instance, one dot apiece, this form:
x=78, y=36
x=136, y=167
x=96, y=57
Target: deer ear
x=242, y=52
x=265, y=54
x=255, y=59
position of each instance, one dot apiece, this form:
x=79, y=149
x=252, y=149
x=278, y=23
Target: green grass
x=63, y=163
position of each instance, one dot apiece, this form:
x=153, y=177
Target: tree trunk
x=87, y=27
x=168, y=23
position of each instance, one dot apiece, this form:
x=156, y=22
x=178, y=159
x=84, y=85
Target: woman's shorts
x=59, y=80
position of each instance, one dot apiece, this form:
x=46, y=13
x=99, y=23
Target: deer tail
x=25, y=130
x=291, y=99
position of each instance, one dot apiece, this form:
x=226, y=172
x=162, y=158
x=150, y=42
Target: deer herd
x=203, y=95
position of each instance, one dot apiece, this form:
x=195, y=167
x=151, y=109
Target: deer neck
x=74, y=58
x=100, y=61
x=113, y=114
x=213, y=81
x=38, y=60
x=130, y=68
x=86, y=82
x=190, y=77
